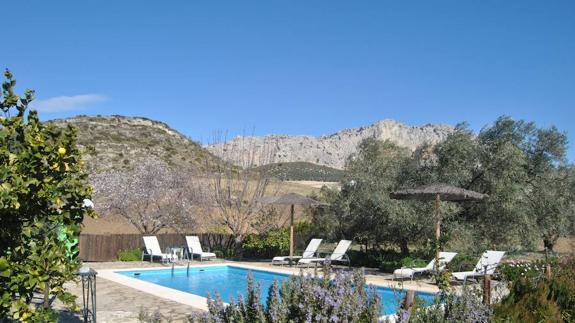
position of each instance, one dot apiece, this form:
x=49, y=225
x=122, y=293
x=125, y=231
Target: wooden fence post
x=487, y=289
x=407, y=305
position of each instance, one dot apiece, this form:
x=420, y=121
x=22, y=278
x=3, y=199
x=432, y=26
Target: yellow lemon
x=62, y=151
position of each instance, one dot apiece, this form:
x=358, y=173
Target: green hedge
x=274, y=243
x=130, y=255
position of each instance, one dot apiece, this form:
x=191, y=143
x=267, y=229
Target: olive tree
x=549, y=191
x=366, y=212
x=42, y=191
x=523, y=170
x=521, y=167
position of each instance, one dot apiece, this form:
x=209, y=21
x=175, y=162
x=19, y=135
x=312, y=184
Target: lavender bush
x=301, y=299
x=462, y=307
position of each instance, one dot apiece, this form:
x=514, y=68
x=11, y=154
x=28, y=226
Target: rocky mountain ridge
x=328, y=150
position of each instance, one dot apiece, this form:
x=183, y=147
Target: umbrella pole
x=291, y=236
x=437, y=231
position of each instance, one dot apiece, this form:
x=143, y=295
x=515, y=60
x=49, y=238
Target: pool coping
x=200, y=302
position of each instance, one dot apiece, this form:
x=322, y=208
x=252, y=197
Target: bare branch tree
x=151, y=196
x=237, y=185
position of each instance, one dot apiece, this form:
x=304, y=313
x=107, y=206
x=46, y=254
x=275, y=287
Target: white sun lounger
x=339, y=255
x=195, y=248
x=309, y=252
x=444, y=259
x=152, y=250
x=486, y=265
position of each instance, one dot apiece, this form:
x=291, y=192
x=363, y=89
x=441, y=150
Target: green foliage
x=385, y=260
x=536, y=298
x=363, y=210
x=130, y=255
x=515, y=271
x=43, y=186
x=463, y=262
x=303, y=171
x=521, y=167
x=410, y=262
x=324, y=223
x=513, y=162
x=273, y=243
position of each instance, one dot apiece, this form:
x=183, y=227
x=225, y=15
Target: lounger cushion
x=208, y=255
x=310, y=260
x=165, y=256
x=408, y=272
x=284, y=259
x=465, y=274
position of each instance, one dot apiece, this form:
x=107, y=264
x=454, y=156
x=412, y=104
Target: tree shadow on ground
x=69, y=317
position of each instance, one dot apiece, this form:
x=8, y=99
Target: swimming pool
x=229, y=281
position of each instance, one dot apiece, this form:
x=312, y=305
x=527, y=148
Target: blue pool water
x=229, y=281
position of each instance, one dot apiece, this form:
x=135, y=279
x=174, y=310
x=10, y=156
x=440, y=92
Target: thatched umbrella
x=437, y=192
x=291, y=199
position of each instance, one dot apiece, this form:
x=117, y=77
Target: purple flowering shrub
x=461, y=307
x=301, y=299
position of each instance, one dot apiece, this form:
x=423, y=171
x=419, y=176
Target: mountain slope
x=302, y=171
x=331, y=150
x=116, y=142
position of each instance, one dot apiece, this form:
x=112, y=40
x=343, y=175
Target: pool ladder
x=187, y=269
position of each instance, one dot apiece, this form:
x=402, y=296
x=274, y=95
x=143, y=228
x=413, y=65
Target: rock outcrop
x=329, y=150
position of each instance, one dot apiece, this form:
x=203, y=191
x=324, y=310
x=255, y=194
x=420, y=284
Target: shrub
x=515, y=270
x=385, y=260
x=43, y=187
x=541, y=299
x=274, y=243
x=130, y=255
x=413, y=262
x=463, y=262
x=301, y=299
x=465, y=307
x=371, y=258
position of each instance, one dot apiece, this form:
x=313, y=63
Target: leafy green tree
x=42, y=192
x=523, y=170
x=550, y=194
x=367, y=213
x=490, y=163
x=521, y=167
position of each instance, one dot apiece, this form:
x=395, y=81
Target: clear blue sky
x=296, y=67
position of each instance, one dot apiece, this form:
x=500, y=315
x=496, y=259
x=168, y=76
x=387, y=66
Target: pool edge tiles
x=191, y=298
x=168, y=293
